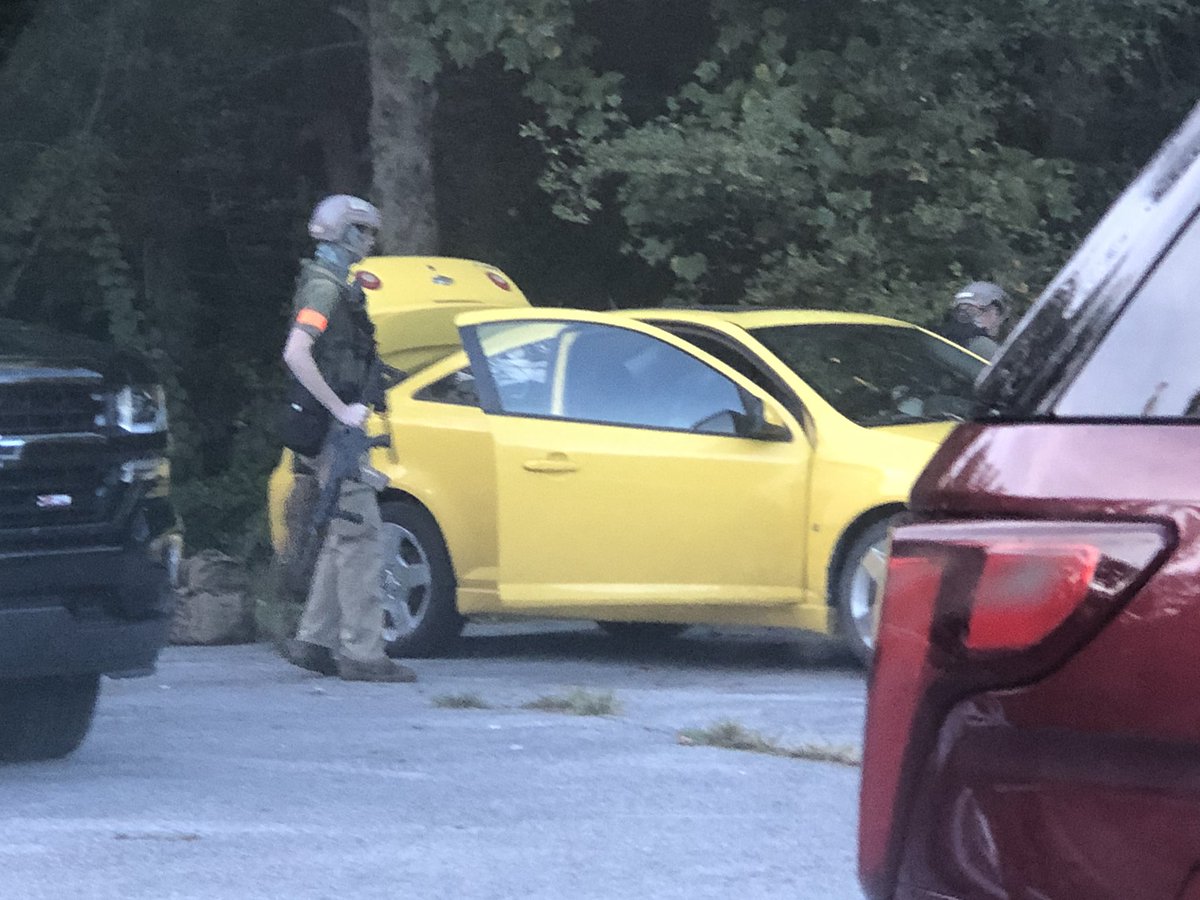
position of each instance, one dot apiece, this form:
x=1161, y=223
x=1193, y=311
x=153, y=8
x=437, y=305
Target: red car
x=1033, y=725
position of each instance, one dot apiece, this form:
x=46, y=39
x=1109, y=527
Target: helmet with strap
x=981, y=295
x=346, y=221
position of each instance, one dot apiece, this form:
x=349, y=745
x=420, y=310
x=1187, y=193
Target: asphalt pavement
x=230, y=774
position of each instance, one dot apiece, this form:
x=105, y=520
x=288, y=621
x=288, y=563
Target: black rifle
x=380, y=379
x=341, y=461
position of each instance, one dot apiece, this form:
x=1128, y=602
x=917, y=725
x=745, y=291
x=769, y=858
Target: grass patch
x=577, y=703
x=732, y=736
x=460, y=701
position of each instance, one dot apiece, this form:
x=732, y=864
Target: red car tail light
x=499, y=280
x=368, y=280
x=1024, y=592
x=972, y=606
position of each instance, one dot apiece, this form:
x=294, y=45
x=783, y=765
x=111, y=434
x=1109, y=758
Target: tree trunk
x=401, y=130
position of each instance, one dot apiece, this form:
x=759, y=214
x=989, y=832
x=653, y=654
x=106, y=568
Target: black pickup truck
x=89, y=541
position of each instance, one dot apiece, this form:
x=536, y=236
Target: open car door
x=633, y=469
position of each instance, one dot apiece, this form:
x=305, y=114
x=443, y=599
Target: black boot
x=313, y=657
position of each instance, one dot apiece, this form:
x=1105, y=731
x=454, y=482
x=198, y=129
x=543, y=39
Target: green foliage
x=64, y=209
x=227, y=510
x=152, y=199
x=160, y=158
x=860, y=156
x=434, y=34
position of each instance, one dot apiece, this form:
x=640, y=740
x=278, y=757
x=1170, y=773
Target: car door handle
x=554, y=463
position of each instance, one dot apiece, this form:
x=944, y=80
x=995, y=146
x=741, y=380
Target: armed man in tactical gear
x=329, y=350
x=977, y=317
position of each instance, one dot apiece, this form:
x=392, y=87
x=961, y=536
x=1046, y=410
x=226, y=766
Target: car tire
x=857, y=589
x=45, y=718
x=420, y=615
x=642, y=632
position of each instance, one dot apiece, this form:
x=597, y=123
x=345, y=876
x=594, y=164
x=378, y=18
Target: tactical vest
x=344, y=352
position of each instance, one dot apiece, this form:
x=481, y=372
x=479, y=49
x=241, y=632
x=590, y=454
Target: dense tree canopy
x=159, y=158
x=872, y=155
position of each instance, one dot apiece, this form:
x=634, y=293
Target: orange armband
x=312, y=318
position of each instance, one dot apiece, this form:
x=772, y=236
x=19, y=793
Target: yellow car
x=648, y=469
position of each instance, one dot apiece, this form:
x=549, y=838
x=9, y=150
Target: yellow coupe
x=647, y=469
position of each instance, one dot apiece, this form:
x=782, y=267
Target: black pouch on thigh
x=305, y=422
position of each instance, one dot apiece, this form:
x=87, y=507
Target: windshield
x=879, y=374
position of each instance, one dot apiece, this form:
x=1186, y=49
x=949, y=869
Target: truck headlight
x=142, y=409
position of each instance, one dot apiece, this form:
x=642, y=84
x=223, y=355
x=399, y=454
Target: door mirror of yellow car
x=762, y=421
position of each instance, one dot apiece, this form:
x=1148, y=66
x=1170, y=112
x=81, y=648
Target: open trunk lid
x=413, y=301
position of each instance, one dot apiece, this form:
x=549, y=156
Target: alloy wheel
x=407, y=582
x=865, y=590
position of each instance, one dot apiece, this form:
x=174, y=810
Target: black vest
x=346, y=349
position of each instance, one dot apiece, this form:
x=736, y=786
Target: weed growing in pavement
x=461, y=701
x=733, y=736
x=577, y=703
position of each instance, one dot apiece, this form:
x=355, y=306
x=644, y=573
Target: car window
x=521, y=357
x=737, y=357
x=457, y=388
x=1145, y=367
x=879, y=374
x=609, y=375
x=715, y=347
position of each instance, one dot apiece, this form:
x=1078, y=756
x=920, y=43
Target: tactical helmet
x=982, y=294
x=335, y=214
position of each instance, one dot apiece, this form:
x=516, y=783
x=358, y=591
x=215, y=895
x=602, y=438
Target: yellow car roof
x=750, y=317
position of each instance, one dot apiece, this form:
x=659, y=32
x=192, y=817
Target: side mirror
x=761, y=422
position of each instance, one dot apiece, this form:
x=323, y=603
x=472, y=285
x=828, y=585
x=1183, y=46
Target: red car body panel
x=1049, y=789
x=1033, y=720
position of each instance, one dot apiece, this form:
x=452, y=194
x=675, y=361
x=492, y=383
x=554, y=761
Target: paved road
x=232, y=775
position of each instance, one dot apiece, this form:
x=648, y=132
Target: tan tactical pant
x=344, y=611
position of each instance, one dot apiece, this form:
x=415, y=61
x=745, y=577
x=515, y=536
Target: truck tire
x=45, y=718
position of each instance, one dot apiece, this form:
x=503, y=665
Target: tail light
x=369, y=281
x=498, y=280
x=972, y=606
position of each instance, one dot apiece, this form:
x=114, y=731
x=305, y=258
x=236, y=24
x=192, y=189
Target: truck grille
x=36, y=408
x=48, y=497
